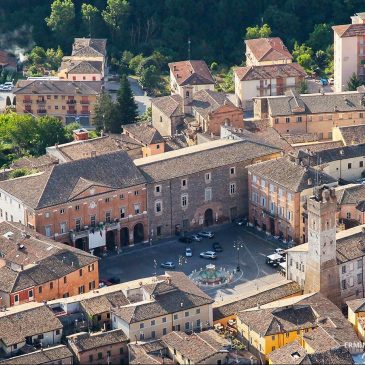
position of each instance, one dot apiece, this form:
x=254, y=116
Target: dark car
x=241, y=221
x=185, y=239
x=217, y=247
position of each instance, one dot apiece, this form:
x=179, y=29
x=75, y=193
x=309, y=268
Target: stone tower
x=322, y=273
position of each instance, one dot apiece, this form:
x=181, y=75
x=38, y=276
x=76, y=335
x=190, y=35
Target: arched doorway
x=110, y=241
x=208, y=217
x=124, y=236
x=138, y=234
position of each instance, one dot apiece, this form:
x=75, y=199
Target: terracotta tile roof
x=38, y=163
x=15, y=327
x=197, y=347
x=320, y=146
x=349, y=30
x=194, y=159
x=268, y=49
x=45, y=356
x=175, y=143
x=191, y=73
x=6, y=59
x=316, y=103
x=206, y=102
x=56, y=186
x=77, y=150
x=289, y=174
x=335, y=356
x=57, y=87
x=221, y=311
x=170, y=105
x=103, y=303
x=41, y=259
x=320, y=340
x=81, y=67
x=292, y=353
x=351, y=195
x=99, y=45
x=350, y=248
x=268, y=322
x=88, y=341
x=248, y=73
x=354, y=134
x=143, y=132
x=356, y=305
x=148, y=353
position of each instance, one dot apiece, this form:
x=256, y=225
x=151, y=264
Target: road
x=142, y=100
x=139, y=262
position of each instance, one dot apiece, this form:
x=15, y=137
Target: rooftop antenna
x=189, y=42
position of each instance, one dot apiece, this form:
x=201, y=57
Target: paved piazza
x=140, y=261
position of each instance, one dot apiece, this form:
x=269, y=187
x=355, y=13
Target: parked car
x=210, y=255
x=217, y=247
x=207, y=234
x=274, y=260
x=196, y=238
x=7, y=88
x=185, y=239
x=188, y=252
x=9, y=84
x=104, y=282
x=280, y=251
x=168, y=265
x=241, y=221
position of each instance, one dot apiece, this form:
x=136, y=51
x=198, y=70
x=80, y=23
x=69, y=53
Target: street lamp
x=238, y=245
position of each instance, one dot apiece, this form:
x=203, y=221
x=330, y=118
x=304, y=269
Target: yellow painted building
x=356, y=316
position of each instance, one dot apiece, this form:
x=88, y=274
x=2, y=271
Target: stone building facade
x=200, y=185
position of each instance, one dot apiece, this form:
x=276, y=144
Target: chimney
x=80, y=134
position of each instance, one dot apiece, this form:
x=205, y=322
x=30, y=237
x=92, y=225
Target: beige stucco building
x=349, y=51
x=69, y=101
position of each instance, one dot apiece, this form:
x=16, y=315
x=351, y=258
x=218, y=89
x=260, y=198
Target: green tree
x=149, y=78
x=353, y=83
x=89, y=14
x=54, y=58
x=320, y=61
x=214, y=66
x=104, y=113
x=21, y=172
x=321, y=37
x=69, y=128
x=135, y=62
x=258, y=32
x=303, y=87
x=37, y=56
x=62, y=15
x=126, y=107
x=50, y=131
x=114, y=14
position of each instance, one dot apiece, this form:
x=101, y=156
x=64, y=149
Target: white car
x=9, y=84
x=279, y=251
x=210, y=255
x=196, y=238
x=188, y=252
x=207, y=234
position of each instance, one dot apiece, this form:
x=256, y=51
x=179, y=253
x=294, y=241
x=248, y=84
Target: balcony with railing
x=85, y=231
x=40, y=101
x=41, y=111
x=71, y=101
x=85, y=102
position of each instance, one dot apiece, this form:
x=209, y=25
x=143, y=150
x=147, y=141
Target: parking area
x=145, y=260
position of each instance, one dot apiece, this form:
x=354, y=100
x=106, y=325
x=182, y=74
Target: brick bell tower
x=322, y=273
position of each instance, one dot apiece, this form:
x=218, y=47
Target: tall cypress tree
x=126, y=107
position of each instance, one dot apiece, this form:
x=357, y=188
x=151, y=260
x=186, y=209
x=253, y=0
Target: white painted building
x=11, y=208
x=349, y=51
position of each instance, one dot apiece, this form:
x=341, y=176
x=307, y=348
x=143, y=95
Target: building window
x=158, y=207
x=163, y=319
x=121, y=196
x=361, y=164
x=91, y=285
x=81, y=289
x=272, y=188
x=91, y=267
x=137, y=209
x=63, y=227
x=16, y=298
x=141, y=336
x=187, y=325
x=158, y=189
x=198, y=311
x=80, y=272
x=208, y=194
x=40, y=289
x=65, y=279
x=175, y=317
x=207, y=177
x=361, y=115
x=122, y=212
x=48, y=231
x=359, y=264
x=30, y=294
x=93, y=221
x=164, y=331
x=348, y=215
x=107, y=200
x=91, y=359
x=153, y=322
x=47, y=215
x=186, y=314
x=287, y=120
x=232, y=171
x=51, y=285
x=158, y=230
x=136, y=192
x=153, y=334
x=276, y=120
x=343, y=284
x=232, y=188
x=263, y=183
x=184, y=183
x=77, y=207
x=299, y=119
x=349, y=165
x=107, y=217
x=254, y=179
x=100, y=355
x=62, y=211
x=184, y=200
x=121, y=351
x=263, y=201
x=141, y=325
x=289, y=197
x=359, y=278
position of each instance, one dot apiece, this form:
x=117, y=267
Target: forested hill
x=216, y=28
